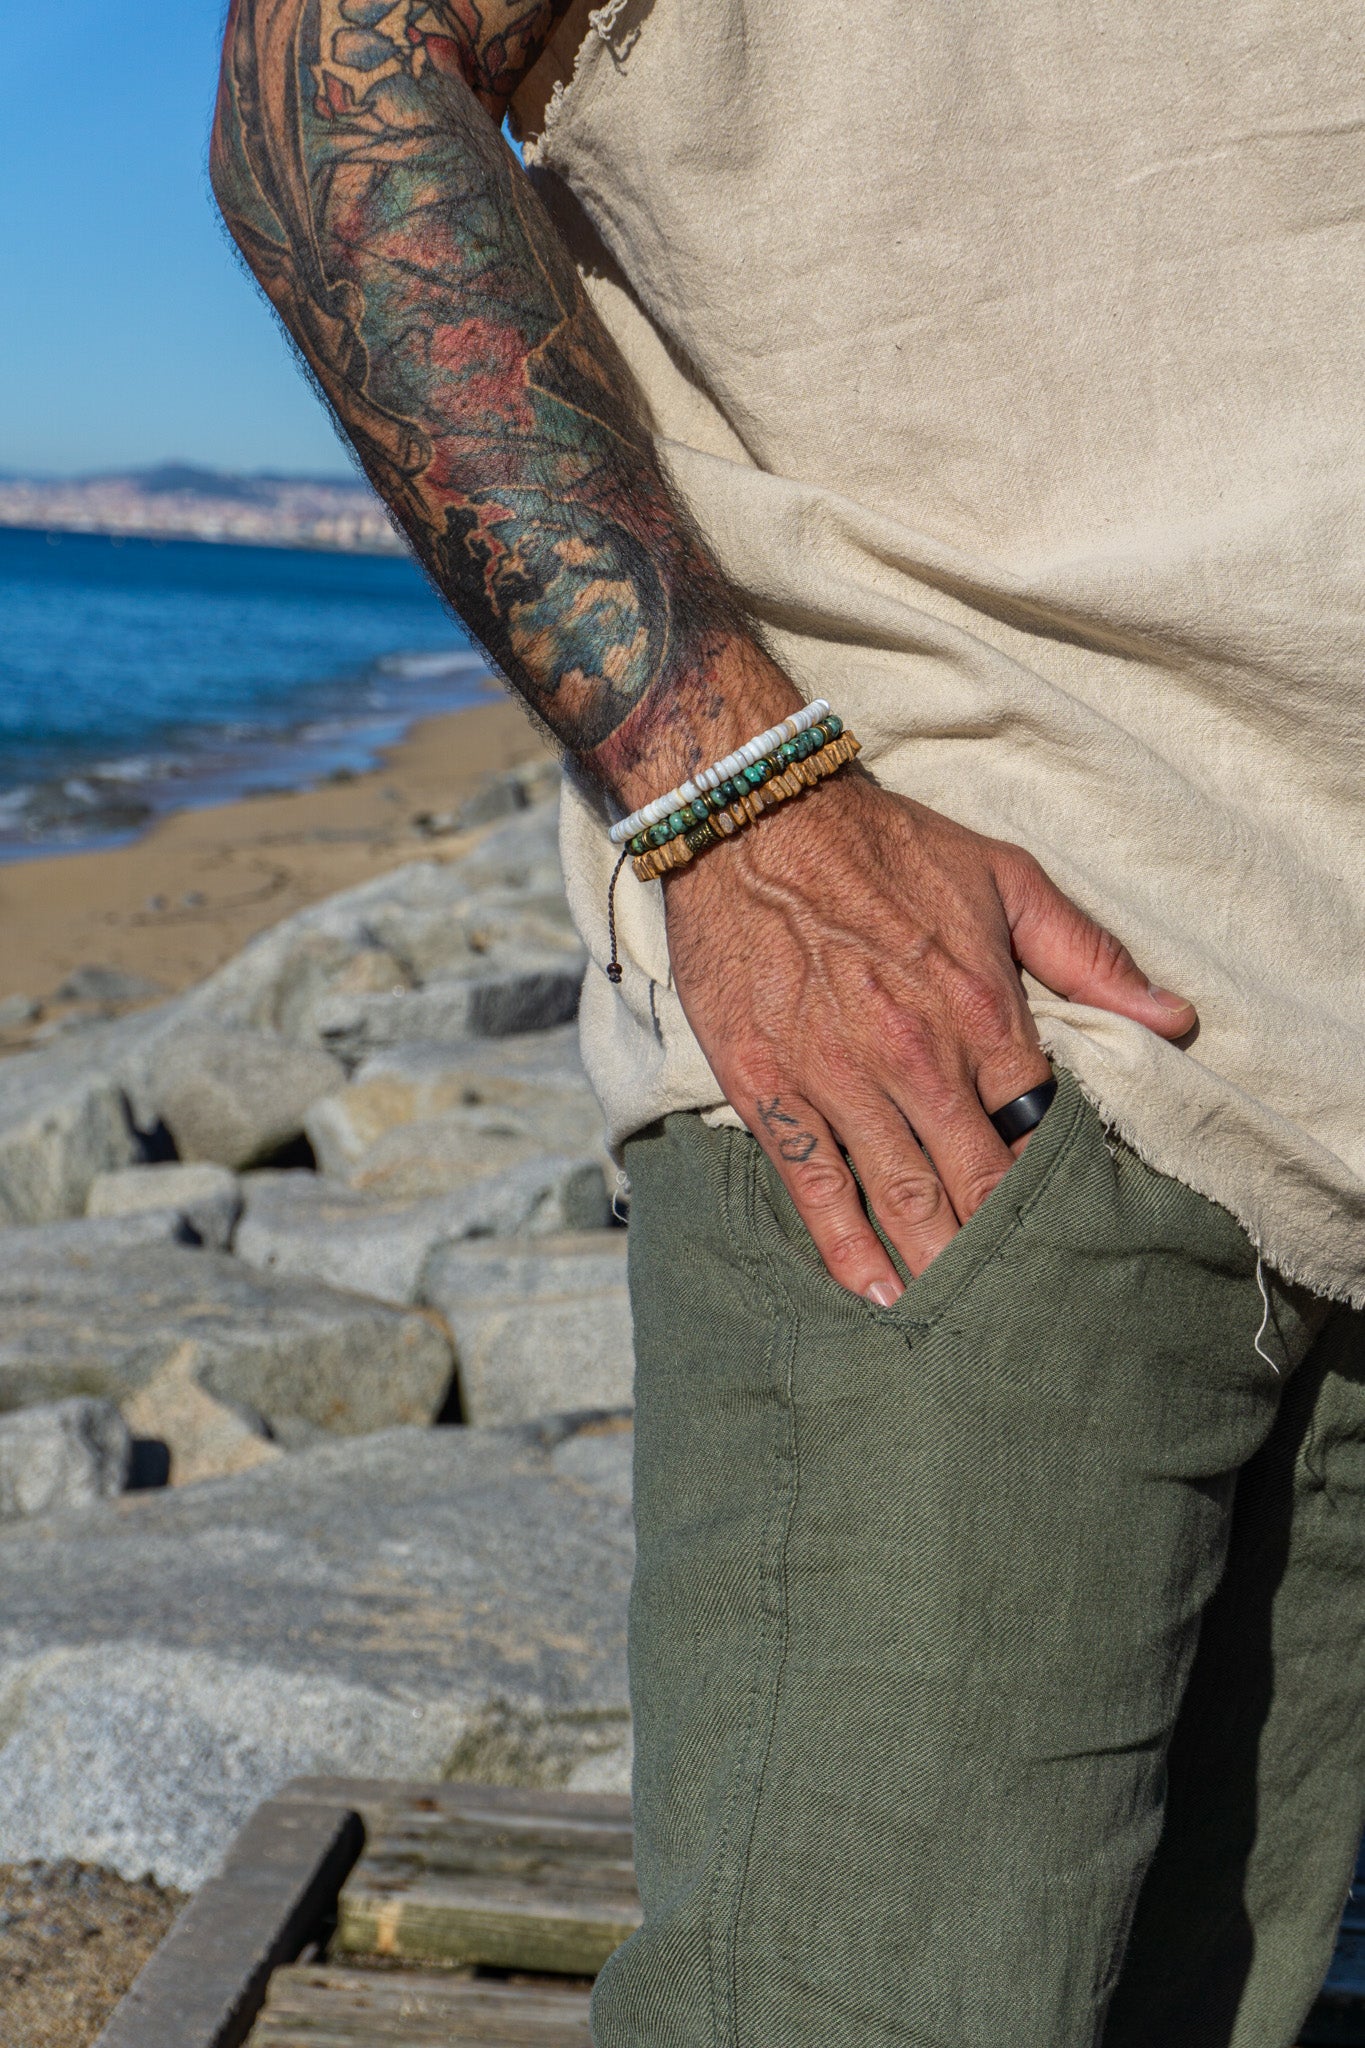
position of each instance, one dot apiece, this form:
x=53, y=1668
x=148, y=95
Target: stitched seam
x=771, y=1262
x=723, y=2025
x=783, y=1646
x=1010, y=1229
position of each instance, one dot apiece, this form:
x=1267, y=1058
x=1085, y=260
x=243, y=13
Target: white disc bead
x=710, y=778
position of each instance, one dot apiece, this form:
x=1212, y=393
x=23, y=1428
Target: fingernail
x=885, y=1292
x=1167, y=997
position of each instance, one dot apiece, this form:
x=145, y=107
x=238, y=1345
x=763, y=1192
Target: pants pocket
x=789, y=1258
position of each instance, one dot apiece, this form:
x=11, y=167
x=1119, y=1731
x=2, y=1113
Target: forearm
x=413, y=264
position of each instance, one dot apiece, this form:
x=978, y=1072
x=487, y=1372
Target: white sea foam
x=430, y=667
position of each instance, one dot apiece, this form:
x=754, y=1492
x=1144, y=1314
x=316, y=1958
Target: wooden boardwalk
x=507, y=1879
x=310, y=2006
x=474, y=1914
x=363, y=1913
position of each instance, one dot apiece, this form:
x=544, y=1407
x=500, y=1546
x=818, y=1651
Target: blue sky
x=130, y=333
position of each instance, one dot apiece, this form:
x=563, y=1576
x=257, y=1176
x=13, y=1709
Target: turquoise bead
x=639, y=843
x=789, y=751
x=833, y=725
x=758, y=772
x=679, y=823
x=658, y=833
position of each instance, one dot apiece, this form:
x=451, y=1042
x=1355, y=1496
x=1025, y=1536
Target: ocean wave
x=424, y=668
x=90, y=803
x=70, y=810
x=141, y=768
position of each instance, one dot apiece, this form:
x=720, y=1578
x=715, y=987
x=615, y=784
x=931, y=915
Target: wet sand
x=188, y=895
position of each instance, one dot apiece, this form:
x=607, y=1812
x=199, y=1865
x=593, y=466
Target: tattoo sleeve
x=413, y=264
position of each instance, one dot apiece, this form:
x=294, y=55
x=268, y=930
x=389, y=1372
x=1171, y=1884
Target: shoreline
x=160, y=536
x=173, y=904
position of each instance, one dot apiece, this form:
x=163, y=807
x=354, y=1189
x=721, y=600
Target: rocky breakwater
x=315, y=1372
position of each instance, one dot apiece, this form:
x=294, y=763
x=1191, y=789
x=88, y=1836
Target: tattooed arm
x=357, y=158
x=849, y=967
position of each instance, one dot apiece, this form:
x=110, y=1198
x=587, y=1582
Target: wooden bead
x=749, y=805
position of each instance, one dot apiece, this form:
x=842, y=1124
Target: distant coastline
x=178, y=501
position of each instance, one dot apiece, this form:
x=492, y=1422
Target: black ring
x=1015, y=1119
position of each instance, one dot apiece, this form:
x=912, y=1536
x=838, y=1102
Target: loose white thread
x=620, y=1201
x=603, y=20
x=1265, y=1319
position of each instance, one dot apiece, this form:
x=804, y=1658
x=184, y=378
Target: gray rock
x=532, y=994
x=473, y=936
x=499, y=797
x=522, y=854
x=536, y=1078
x=70, y=1024
x=235, y=1097
x=33, y=1249
x=410, y=1605
x=63, y=1119
x=436, y=824
x=300, y=1225
x=433, y=909
x=16, y=1011
x=106, y=985
x=114, y=1323
x=540, y=779
x=538, y=1328
x=204, y=1436
x=208, y=1197
x=443, y=1154
x=66, y=1454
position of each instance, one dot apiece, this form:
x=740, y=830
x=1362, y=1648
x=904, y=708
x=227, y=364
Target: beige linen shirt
x=1010, y=356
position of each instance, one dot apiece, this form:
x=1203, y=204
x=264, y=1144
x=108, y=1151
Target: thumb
x=1077, y=958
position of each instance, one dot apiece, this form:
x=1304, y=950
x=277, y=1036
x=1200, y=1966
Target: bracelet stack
x=722, y=799
x=711, y=778
x=796, y=763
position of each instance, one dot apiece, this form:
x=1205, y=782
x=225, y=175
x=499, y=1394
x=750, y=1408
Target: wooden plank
x=519, y=1848
x=206, y=1982
x=374, y=1797
x=320, y=2007
x=468, y=1920
x=527, y=1881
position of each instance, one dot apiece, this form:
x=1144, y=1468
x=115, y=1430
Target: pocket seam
x=902, y=1316
x=1008, y=1229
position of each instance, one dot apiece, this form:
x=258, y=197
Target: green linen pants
x=998, y=1658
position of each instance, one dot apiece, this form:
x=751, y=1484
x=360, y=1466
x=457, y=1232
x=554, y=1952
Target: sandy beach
x=186, y=896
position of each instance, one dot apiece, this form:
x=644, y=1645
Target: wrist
x=728, y=693
x=788, y=846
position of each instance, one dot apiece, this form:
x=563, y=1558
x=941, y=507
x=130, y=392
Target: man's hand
x=849, y=968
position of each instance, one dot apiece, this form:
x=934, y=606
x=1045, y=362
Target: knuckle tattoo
x=792, y=1139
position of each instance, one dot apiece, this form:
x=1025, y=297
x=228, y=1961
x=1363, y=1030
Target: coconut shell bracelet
x=721, y=808
x=798, y=764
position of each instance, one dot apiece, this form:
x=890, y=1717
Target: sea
x=139, y=676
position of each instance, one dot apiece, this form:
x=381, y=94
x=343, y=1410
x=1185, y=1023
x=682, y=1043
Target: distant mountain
x=191, y=501
x=259, y=487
